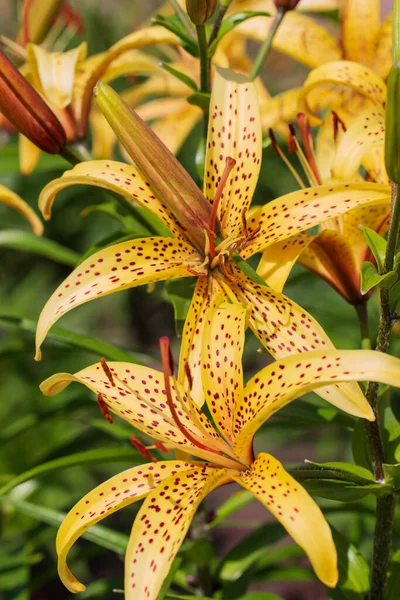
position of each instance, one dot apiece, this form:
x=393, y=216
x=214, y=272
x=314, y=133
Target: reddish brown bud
x=286, y=4
x=200, y=11
x=21, y=104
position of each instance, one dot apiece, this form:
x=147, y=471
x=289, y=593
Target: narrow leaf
x=377, y=245
x=231, y=22
x=370, y=277
x=353, y=570
x=25, y=241
x=181, y=76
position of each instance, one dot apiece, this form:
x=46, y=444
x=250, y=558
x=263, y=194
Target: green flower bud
x=200, y=10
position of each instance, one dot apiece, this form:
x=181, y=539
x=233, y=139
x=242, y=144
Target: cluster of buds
x=21, y=104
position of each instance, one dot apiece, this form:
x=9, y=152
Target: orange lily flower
x=160, y=407
x=337, y=251
x=362, y=39
x=233, y=160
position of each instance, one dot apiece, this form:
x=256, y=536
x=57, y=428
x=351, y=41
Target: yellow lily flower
x=337, y=251
x=157, y=405
x=233, y=160
x=66, y=79
x=11, y=199
x=362, y=39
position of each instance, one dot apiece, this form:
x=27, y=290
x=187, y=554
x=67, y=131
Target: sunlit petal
x=360, y=25
x=29, y=154
x=383, y=52
x=234, y=131
x=296, y=510
x=284, y=328
x=301, y=210
x=110, y=175
x=221, y=363
x=160, y=527
x=54, y=72
x=114, y=269
x=14, y=201
x=341, y=76
x=119, y=491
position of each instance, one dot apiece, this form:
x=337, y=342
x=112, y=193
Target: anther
x=306, y=138
x=336, y=122
x=225, y=271
x=160, y=446
x=107, y=371
x=229, y=164
x=140, y=447
x=104, y=408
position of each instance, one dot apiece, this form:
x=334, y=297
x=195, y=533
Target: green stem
x=218, y=21
x=267, y=44
x=182, y=17
x=200, y=531
x=362, y=313
x=205, y=69
x=385, y=504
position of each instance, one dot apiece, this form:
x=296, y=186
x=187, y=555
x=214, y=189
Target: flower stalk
x=267, y=44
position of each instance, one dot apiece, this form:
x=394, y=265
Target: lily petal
x=14, y=201
x=298, y=211
x=282, y=107
x=207, y=293
x=345, y=76
x=137, y=395
x=160, y=527
x=383, y=52
x=296, y=510
x=117, y=268
x=278, y=260
x=284, y=328
x=299, y=36
x=304, y=373
x=89, y=72
x=53, y=73
x=234, y=131
x=115, y=176
x=119, y=491
x=29, y=154
x=365, y=132
x=374, y=217
x=360, y=26
x=221, y=363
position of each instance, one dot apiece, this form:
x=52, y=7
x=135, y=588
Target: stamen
x=228, y=275
x=107, y=371
x=229, y=164
x=287, y=162
x=142, y=448
x=168, y=369
x=244, y=222
x=295, y=145
x=72, y=18
x=160, y=446
x=25, y=20
x=188, y=374
x=104, y=408
x=306, y=138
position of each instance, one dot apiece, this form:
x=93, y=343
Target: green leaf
x=392, y=475
x=78, y=340
x=391, y=433
x=231, y=22
x=25, y=241
x=370, y=277
x=260, y=596
x=173, y=23
x=394, y=295
x=342, y=490
x=360, y=447
x=169, y=578
x=234, y=503
x=393, y=584
x=181, y=76
x=247, y=269
x=200, y=99
x=254, y=546
x=345, y=471
x=98, y=534
x=180, y=292
x=111, y=209
x=90, y=457
x=353, y=570
x=377, y=245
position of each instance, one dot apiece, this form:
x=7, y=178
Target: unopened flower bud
x=169, y=180
x=200, y=11
x=286, y=4
x=21, y=104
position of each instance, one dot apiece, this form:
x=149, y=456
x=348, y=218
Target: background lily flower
x=233, y=161
x=362, y=38
x=157, y=405
x=11, y=199
x=337, y=251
